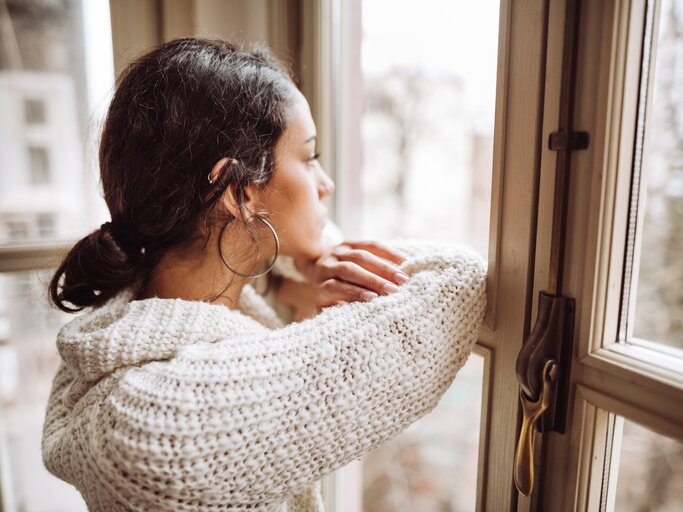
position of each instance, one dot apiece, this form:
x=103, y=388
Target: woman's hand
x=348, y=272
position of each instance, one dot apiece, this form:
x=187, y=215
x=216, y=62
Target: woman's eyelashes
x=315, y=157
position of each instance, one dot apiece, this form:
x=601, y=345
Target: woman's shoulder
x=122, y=333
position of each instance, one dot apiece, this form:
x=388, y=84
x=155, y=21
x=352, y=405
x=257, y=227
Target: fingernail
x=400, y=277
x=368, y=296
x=389, y=288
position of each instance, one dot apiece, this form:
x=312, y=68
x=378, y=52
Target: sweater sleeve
x=247, y=422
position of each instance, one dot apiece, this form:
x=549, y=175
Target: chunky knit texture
x=175, y=405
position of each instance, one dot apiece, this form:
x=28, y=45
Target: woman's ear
x=223, y=165
x=242, y=207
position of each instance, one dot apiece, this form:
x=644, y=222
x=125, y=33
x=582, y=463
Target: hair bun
x=123, y=239
x=93, y=271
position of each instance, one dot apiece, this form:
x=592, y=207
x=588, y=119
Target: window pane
x=432, y=465
x=427, y=146
x=56, y=74
x=28, y=361
x=650, y=474
x=427, y=125
x=39, y=165
x=659, y=291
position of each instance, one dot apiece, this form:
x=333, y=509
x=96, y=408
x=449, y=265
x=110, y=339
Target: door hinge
x=567, y=141
x=542, y=368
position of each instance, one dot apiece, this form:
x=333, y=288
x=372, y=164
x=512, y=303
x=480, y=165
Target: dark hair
x=176, y=111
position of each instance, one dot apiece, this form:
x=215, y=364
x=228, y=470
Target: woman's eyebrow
x=312, y=137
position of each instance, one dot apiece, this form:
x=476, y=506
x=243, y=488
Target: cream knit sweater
x=175, y=405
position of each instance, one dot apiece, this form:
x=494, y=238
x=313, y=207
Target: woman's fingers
x=335, y=291
x=379, y=249
x=355, y=274
x=357, y=271
x=366, y=262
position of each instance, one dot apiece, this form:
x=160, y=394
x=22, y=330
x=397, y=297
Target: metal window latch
x=543, y=371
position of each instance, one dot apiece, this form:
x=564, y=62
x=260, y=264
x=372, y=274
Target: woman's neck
x=199, y=272
x=197, y=279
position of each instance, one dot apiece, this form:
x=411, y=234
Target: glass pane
x=432, y=465
x=650, y=474
x=28, y=361
x=56, y=74
x=427, y=126
x=427, y=146
x=659, y=291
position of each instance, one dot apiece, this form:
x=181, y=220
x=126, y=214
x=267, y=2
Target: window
x=427, y=146
x=17, y=230
x=39, y=165
x=29, y=354
x=650, y=471
x=496, y=177
x=623, y=442
x=427, y=125
x=51, y=113
x=658, y=283
x=427, y=122
x=46, y=225
x=34, y=111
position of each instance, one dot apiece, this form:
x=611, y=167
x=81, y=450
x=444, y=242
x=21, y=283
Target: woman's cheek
x=299, y=233
x=311, y=240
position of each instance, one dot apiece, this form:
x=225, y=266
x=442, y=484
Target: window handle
x=543, y=369
x=532, y=412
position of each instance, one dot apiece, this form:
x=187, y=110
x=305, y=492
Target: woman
x=179, y=387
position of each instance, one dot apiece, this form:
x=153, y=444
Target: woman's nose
x=326, y=185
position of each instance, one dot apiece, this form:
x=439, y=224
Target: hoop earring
x=272, y=263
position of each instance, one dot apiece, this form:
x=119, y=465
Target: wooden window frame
x=613, y=380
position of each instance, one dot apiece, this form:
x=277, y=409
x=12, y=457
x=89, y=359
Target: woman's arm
x=250, y=421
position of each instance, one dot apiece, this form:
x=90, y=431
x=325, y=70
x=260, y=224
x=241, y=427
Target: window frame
x=611, y=380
